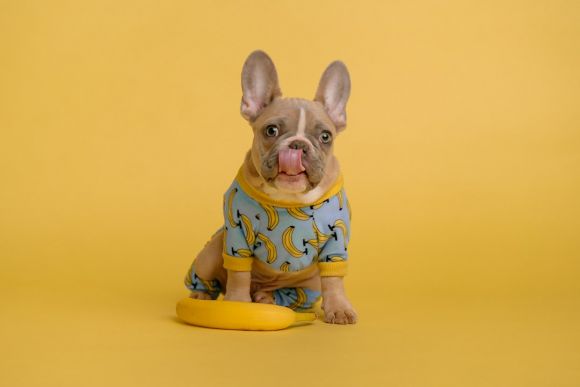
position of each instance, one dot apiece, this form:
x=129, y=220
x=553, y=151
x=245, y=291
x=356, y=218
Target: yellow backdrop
x=120, y=130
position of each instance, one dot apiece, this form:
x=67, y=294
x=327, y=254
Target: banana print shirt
x=287, y=236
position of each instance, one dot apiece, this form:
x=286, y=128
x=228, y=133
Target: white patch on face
x=300, y=133
x=301, y=123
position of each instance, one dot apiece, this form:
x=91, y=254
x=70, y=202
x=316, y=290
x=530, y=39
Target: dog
x=286, y=215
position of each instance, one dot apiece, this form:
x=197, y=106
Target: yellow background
x=120, y=130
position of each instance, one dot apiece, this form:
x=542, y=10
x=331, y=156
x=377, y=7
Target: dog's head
x=293, y=138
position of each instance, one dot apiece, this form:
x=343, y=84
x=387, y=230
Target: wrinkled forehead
x=295, y=114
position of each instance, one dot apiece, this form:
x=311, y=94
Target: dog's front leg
x=337, y=308
x=238, y=286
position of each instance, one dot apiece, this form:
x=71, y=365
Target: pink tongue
x=290, y=161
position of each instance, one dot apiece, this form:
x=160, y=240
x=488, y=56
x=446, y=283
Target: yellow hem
x=237, y=263
x=261, y=197
x=332, y=269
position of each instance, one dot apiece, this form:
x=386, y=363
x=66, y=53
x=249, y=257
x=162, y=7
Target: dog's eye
x=325, y=137
x=271, y=131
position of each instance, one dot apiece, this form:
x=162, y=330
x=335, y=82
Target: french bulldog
x=286, y=217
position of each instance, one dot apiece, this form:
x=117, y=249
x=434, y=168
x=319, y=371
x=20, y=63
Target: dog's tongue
x=290, y=161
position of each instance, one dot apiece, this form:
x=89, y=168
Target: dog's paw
x=197, y=295
x=263, y=297
x=338, y=310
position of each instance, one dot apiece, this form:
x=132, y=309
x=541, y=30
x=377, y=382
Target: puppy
x=286, y=215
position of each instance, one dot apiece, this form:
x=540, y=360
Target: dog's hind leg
x=296, y=298
x=206, y=278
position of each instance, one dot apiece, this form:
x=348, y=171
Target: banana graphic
x=319, y=240
x=300, y=299
x=320, y=236
x=349, y=210
x=272, y=216
x=289, y=244
x=339, y=223
x=285, y=267
x=312, y=242
x=231, y=195
x=208, y=285
x=244, y=253
x=270, y=248
x=248, y=229
x=340, y=200
x=249, y=316
x=298, y=213
x=335, y=258
x=317, y=206
x=189, y=281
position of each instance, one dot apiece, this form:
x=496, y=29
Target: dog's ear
x=259, y=84
x=333, y=92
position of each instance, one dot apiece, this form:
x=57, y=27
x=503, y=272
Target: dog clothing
x=287, y=236
x=289, y=240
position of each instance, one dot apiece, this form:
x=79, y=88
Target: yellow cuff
x=237, y=263
x=332, y=269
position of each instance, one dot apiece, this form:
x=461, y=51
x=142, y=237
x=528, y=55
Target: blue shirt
x=287, y=236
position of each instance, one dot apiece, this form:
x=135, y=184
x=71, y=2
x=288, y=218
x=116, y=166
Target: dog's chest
x=286, y=238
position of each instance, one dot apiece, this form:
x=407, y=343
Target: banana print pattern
x=313, y=242
x=335, y=258
x=319, y=205
x=349, y=210
x=285, y=267
x=300, y=299
x=196, y=284
x=296, y=298
x=272, y=215
x=341, y=225
x=208, y=285
x=320, y=237
x=248, y=229
x=286, y=238
x=231, y=197
x=244, y=253
x=288, y=243
x=270, y=248
x=298, y=213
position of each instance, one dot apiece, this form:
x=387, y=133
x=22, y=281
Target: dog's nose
x=298, y=144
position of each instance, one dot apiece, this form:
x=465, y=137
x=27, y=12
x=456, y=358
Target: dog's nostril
x=299, y=145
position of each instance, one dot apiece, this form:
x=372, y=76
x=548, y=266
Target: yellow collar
x=261, y=197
